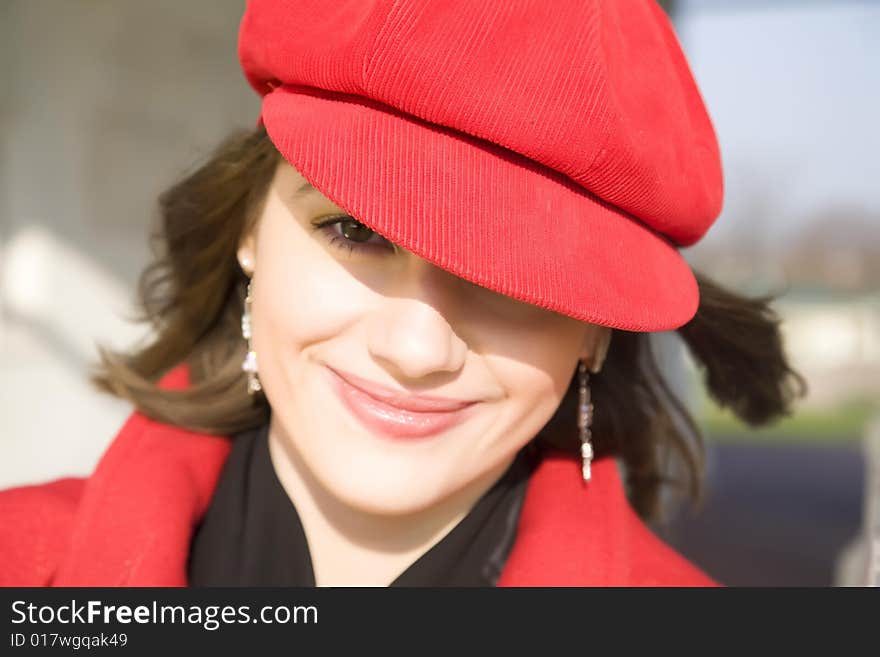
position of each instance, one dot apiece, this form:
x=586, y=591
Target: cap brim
x=483, y=212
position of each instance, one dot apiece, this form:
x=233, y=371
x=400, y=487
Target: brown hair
x=192, y=294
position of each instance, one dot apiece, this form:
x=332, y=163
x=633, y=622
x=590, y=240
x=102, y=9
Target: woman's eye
x=346, y=232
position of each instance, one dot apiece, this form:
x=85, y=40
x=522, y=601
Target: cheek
x=537, y=370
x=535, y=390
x=303, y=296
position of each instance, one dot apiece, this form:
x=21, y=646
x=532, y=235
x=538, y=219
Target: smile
x=386, y=416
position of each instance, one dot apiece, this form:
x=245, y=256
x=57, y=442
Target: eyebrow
x=304, y=189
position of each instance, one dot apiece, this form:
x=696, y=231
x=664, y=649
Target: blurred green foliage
x=843, y=423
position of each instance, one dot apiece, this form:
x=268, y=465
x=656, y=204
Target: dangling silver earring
x=585, y=418
x=250, y=360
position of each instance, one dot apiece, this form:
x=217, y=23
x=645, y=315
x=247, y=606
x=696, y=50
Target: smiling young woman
x=421, y=315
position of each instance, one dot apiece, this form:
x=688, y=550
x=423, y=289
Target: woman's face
x=341, y=300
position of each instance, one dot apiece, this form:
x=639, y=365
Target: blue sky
x=794, y=91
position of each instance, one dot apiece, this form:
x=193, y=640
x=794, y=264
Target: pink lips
x=390, y=413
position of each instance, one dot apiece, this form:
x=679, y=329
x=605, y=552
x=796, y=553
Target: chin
x=382, y=491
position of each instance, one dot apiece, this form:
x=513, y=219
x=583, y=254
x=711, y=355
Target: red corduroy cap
x=558, y=152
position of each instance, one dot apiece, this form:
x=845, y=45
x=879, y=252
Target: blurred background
x=105, y=102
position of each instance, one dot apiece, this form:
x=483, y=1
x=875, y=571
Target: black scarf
x=251, y=534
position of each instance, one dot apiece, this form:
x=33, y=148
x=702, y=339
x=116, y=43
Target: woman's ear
x=595, y=348
x=246, y=256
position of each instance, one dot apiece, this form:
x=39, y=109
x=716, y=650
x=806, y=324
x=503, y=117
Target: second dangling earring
x=585, y=418
x=249, y=364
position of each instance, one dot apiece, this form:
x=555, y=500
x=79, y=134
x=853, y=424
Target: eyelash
x=325, y=227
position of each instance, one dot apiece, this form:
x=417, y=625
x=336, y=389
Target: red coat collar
x=138, y=511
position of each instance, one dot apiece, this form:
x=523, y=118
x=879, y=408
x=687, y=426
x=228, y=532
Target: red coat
x=130, y=523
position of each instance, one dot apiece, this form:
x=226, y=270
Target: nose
x=410, y=332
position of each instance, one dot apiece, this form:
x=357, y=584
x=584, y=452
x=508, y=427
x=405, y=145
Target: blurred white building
x=834, y=341
x=103, y=104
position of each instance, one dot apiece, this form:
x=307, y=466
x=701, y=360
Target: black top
x=251, y=534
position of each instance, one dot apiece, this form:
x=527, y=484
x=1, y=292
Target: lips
x=384, y=411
